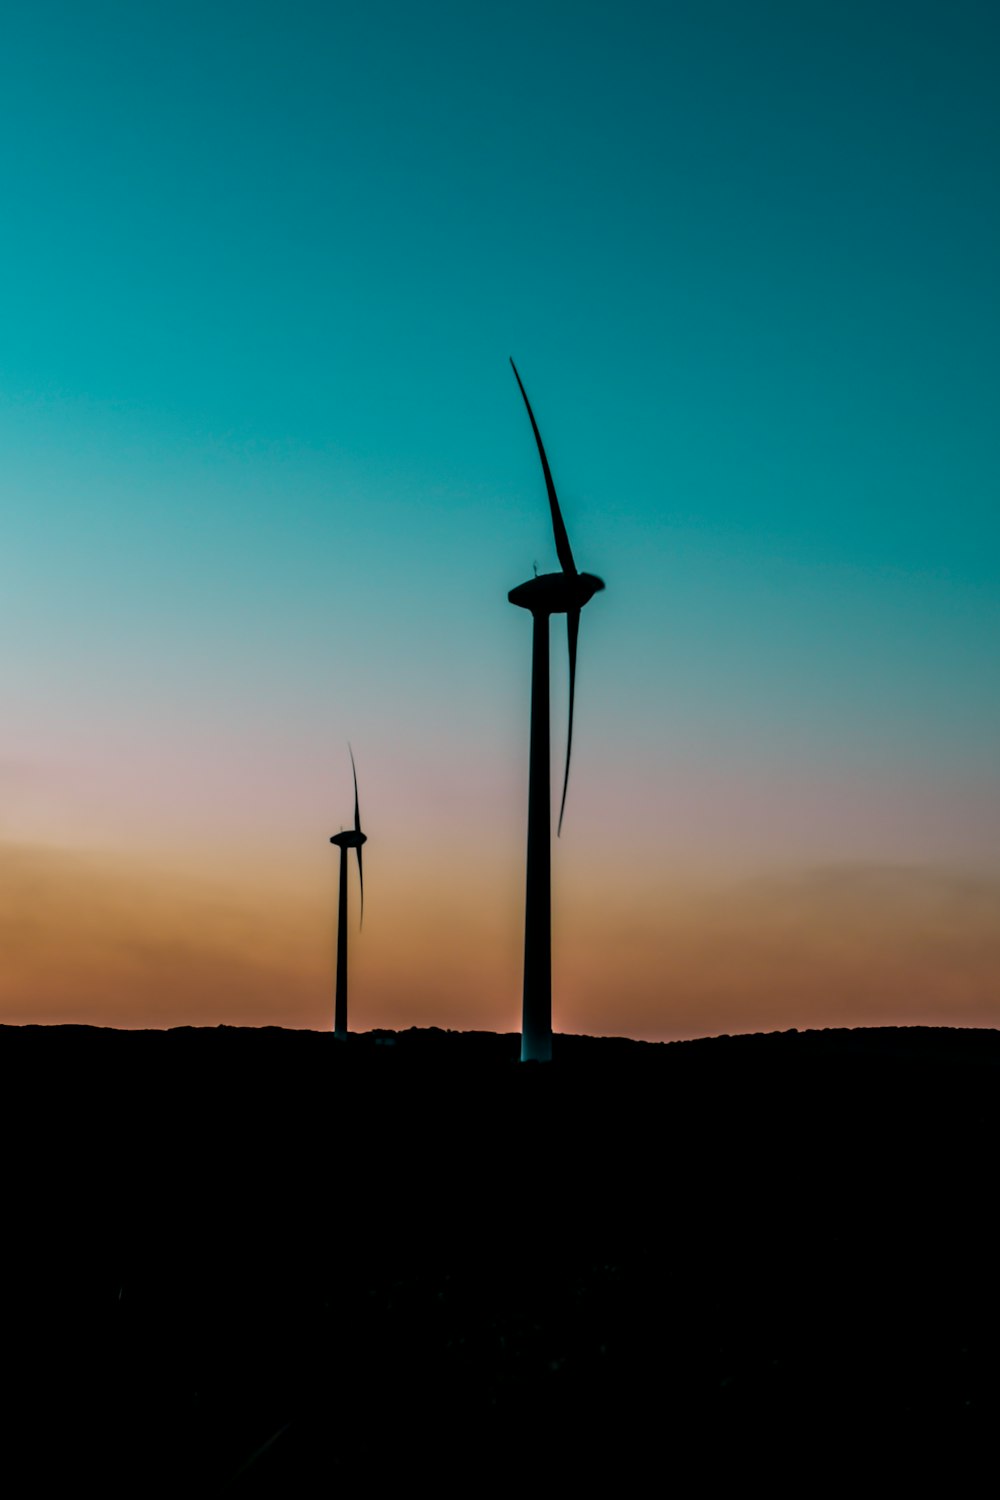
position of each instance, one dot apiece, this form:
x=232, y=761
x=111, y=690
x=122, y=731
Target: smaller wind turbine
x=352, y=838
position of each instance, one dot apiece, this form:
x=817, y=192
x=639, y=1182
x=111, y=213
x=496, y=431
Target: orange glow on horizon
x=109, y=941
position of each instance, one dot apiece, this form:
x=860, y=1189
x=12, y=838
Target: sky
x=266, y=480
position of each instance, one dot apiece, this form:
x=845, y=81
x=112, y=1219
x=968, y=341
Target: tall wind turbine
x=352, y=838
x=562, y=593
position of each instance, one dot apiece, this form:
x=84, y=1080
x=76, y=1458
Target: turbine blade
x=361, y=883
x=563, y=549
x=357, y=811
x=572, y=633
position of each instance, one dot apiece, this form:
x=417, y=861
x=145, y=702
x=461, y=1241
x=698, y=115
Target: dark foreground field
x=264, y=1262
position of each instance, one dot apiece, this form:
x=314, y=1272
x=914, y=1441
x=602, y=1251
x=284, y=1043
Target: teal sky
x=265, y=477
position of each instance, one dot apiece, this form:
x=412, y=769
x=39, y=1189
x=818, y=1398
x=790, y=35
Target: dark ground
x=262, y=1262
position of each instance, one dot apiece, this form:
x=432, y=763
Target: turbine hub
x=349, y=839
x=556, y=593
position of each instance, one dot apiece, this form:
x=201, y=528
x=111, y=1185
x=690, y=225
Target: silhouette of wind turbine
x=353, y=838
x=547, y=594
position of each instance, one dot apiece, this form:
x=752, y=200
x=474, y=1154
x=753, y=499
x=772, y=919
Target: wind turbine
x=547, y=594
x=352, y=838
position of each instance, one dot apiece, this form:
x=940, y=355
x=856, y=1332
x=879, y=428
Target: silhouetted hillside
x=402, y=1258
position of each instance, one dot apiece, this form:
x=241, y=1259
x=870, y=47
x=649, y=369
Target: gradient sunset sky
x=267, y=478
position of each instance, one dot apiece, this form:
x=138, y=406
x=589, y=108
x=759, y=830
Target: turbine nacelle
x=556, y=593
x=350, y=839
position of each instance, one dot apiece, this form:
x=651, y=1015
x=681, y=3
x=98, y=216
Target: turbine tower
x=353, y=838
x=562, y=593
